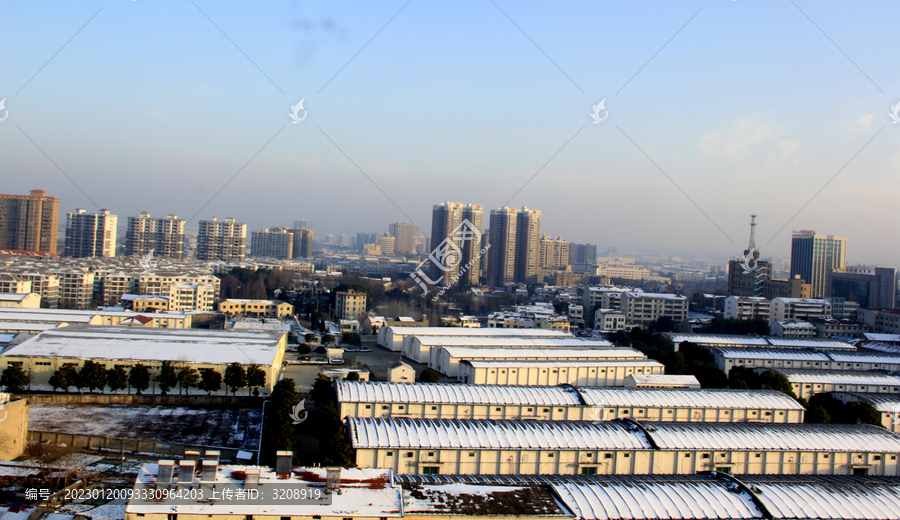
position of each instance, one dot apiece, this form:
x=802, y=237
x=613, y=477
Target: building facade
x=404, y=234
x=91, y=234
x=646, y=308
x=221, y=241
x=870, y=287
x=814, y=258
x=29, y=222
x=746, y=308
x=350, y=305
x=277, y=243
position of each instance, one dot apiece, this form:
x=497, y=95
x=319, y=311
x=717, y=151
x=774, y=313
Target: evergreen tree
x=210, y=380
x=256, y=377
x=429, y=376
x=116, y=379
x=93, y=375
x=188, y=378
x=167, y=377
x=14, y=379
x=235, y=376
x=278, y=430
x=139, y=377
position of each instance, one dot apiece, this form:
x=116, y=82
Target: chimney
x=186, y=472
x=165, y=472
x=192, y=455
x=333, y=479
x=283, y=461
x=212, y=455
x=251, y=479
x=208, y=471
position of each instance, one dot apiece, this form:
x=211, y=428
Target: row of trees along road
x=95, y=376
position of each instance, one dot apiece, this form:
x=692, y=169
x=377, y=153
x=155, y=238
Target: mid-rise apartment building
x=554, y=253
x=277, y=243
x=303, y=242
x=45, y=284
x=387, y=244
x=76, y=288
x=798, y=309
x=164, y=236
x=404, y=234
x=644, y=308
x=160, y=283
x=29, y=222
x=221, y=241
x=350, y=305
x=91, y=234
x=626, y=272
x=746, y=308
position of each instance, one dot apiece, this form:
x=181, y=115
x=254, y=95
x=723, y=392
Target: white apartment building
x=645, y=308
x=45, y=284
x=746, y=308
x=350, y=305
x=798, y=309
x=222, y=241
x=160, y=284
x=76, y=288
x=13, y=285
x=165, y=236
x=276, y=243
x=91, y=234
x=626, y=272
x=576, y=315
x=609, y=320
x=192, y=297
x=793, y=329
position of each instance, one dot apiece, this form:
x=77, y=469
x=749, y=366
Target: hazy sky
x=749, y=108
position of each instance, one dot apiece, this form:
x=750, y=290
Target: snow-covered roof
x=658, y=296
x=477, y=332
x=485, y=435
x=561, y=363
x=541, y=353
x=786, y=354
x=888, y=338
x=689, y=398
x=726, y=340
x=17, y=325
x=381, y=392
x=152, y=344
x=885, y=403
x=467, y=500
x=382, y=433
x=437, y=341
x=41, y=315
x=366, y=493
x=864, y=438
x=820, y=343
x=13, y=297
x=665, y=379
x=839, y=377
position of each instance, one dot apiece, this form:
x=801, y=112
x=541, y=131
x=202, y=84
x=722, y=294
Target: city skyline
x=715, y=111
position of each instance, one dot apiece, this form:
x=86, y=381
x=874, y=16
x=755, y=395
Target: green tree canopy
x=235, y=377
x=116, y=378
x=14, y=379
x=93, y=375
x=210, y=380
x=278, y=430
x=256, y=377
x=188, y=378
x=429, y=376
x=167, y=377
x=139, y=377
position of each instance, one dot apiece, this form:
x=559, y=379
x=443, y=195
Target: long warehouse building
x=446, y=359
x=805, y=359
x=563, y=403
x=392, y=338
x=739, y=341
x=807, y=383
x=421, y=348
x=621, y=447
x=555, y=372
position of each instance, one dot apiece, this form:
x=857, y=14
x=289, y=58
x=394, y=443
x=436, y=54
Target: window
x=431, y=470
x=384, y=407
x=400, y=407
x=627, y=455
x=588, y=471
x=471, y=453
x=550, y=455
x=409, y=454
x=687, y=455
x=607, y=455
x=723, y=469
x=431, y=454
x=704, y=456
x=876, y=457
x=368, y=407
x=172, y=517
x=434, y=407
x=856, y=471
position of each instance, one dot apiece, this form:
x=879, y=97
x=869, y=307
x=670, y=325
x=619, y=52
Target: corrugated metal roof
x=486, y=435
x=467, y=341
x=786, y=354
x=689, y=398
x=886, y=403
x=863, y=438
x=562, y=363
x=865, y=357
x=839, y=377
x=549, y=353
x=828, y=496
x=823, y=343
x=757, y=341
x=465, y=331
x=381, y=392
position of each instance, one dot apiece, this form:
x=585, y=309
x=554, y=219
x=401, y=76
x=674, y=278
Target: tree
x=210, y=380
x=256, y=377
x=139, y=377
x=351, y=338
x=14, y=379
x=429, y=376
x=188, y=378
x=310, y=337
x=352, y=376
x=235, y=377
x=328, y=338
x=93, y=375
x=323, y=390
x=64, y=377
x=304, y=349
x=278, y=429
x=116, y=379
x=771, y=380
x=817, y=414
x=167, y=377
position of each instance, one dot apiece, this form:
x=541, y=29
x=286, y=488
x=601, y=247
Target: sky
x=714, y=109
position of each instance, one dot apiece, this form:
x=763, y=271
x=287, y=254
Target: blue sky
x=750, y=108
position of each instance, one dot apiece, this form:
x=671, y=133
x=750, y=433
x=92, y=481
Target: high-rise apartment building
x=276, y=243
x=501, y=268
x=303, y=242
x=870, y=287
x=91, y=234
x=456, y=242
x=528, y=245
x=404, y=234
x=582, y=255
x=387, y=244
x=221, y=241
x=165, y=236
x=29, y=222
x=814, y=257
x=554, y=253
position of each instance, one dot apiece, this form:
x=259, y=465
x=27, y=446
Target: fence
x=77, y=440
x=199, y=400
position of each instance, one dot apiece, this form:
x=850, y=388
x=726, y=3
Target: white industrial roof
x=689, y=398
x=152, y=344
x=367, y=493
x=865, y=357
x=381, y=392
x=828, y=497
x=438, y=341
x=865, y=438
x=664, y=379
x=839, y=377
x=13, y=297
x=823, y=343
x=650, y=499
x=787, y=354
x=874, y=336
x=885, y=403
x=756, y=341
x=384, y=433
x=17, y=325
x=541, y=353
x=41, y=315
x=474, y=332
x=483, y=434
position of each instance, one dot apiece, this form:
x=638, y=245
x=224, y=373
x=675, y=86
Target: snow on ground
x=23, y=513
x=228, y=428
